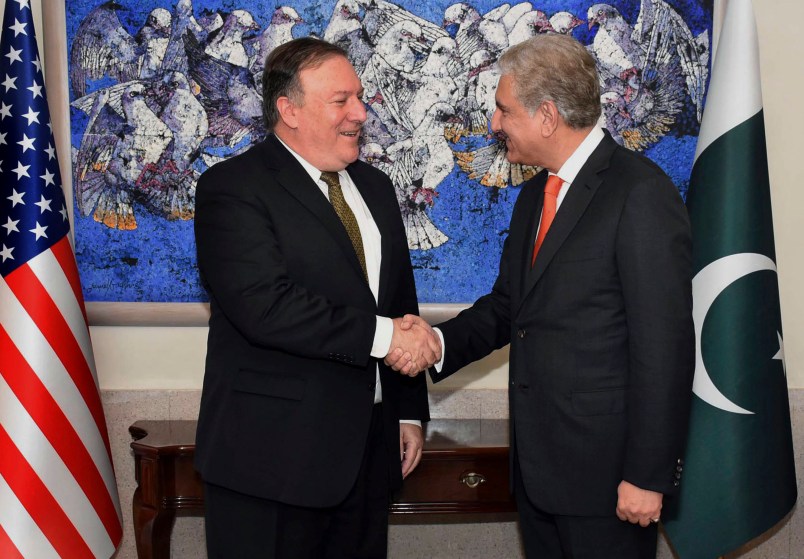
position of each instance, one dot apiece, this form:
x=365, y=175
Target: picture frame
x=195, y=313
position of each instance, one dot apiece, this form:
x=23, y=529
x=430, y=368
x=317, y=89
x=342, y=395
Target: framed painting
x=162, y=89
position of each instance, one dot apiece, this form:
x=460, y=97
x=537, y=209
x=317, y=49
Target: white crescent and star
x=780, y=354
x=707, y=285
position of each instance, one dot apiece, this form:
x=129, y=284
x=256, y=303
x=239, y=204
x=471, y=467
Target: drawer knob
x=472, y=480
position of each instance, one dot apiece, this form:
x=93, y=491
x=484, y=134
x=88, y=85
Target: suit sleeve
x=480, y=329
x=245, y=272
x=654, y=259
x=486, y=325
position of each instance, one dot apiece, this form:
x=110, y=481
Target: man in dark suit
x=596, y=304
x=303, y=252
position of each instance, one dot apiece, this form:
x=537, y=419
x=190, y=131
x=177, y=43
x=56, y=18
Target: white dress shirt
x=572, y=166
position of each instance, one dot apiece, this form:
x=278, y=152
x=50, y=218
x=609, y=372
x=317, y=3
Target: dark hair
x=282, y=68
x=557, y=68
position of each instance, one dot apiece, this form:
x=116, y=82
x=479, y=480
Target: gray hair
x=284, y=64
x=557, y=68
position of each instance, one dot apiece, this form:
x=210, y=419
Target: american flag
x=58, y=496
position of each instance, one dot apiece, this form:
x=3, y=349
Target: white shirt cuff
x=440, y=365
x=382, y=337
x=411, y=421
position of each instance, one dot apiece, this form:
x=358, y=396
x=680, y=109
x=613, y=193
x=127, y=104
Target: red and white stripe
x=58, y=496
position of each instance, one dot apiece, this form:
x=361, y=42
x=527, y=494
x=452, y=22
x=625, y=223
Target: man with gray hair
x=594, y=296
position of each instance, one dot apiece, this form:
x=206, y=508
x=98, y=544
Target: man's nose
x=357, y=111
x=495, y=121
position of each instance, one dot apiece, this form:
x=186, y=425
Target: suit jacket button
x=521, y=333
x=676, y=483
x=680, y=462
x=679, y=469
x=678, y=475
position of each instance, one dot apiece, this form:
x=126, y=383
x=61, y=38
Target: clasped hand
x=414, y=346
x=637, y=505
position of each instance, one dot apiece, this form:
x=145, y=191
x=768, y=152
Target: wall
x=781, y=51
x=144, y=357
x=171, y=358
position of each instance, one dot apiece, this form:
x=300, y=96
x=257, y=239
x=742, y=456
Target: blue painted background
x=156, y=262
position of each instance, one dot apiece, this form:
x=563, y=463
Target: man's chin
x=353, y=155
x=515, y=159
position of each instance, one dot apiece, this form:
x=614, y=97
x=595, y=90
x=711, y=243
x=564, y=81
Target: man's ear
x=548, y=115
x=287, y=112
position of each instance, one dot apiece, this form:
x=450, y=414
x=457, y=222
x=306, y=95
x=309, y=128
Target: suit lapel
x=373, y=200
x=572, y=209
x=520, y=237
x=293, y=178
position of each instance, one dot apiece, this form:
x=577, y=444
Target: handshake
x=415, y=346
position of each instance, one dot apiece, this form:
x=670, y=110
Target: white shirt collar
x=572, y=166
x=311, y=169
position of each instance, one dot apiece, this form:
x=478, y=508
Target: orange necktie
x=551, y=190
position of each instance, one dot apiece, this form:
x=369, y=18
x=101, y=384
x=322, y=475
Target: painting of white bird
x=162, y=89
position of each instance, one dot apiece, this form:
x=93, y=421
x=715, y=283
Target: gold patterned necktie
x=346, y=216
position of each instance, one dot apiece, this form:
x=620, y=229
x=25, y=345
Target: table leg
x=152, y=529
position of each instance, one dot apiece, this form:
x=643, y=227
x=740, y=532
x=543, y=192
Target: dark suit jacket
x=289, y=382
x=601, y=333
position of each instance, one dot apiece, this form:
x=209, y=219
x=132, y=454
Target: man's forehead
x=505, y=87
x=330, y=64
x=506, y=80
x=335, y=74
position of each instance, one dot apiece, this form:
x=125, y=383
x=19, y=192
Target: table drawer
x=452, y=484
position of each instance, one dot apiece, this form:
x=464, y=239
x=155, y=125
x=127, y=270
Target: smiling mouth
x=354, y=134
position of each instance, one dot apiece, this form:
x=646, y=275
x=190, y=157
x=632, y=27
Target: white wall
x=781, y=54
x=148, y=357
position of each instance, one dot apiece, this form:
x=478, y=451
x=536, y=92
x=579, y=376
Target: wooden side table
x=464, y=469
x=167, y=483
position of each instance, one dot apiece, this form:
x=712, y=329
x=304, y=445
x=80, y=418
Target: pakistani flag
x=739, y=472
